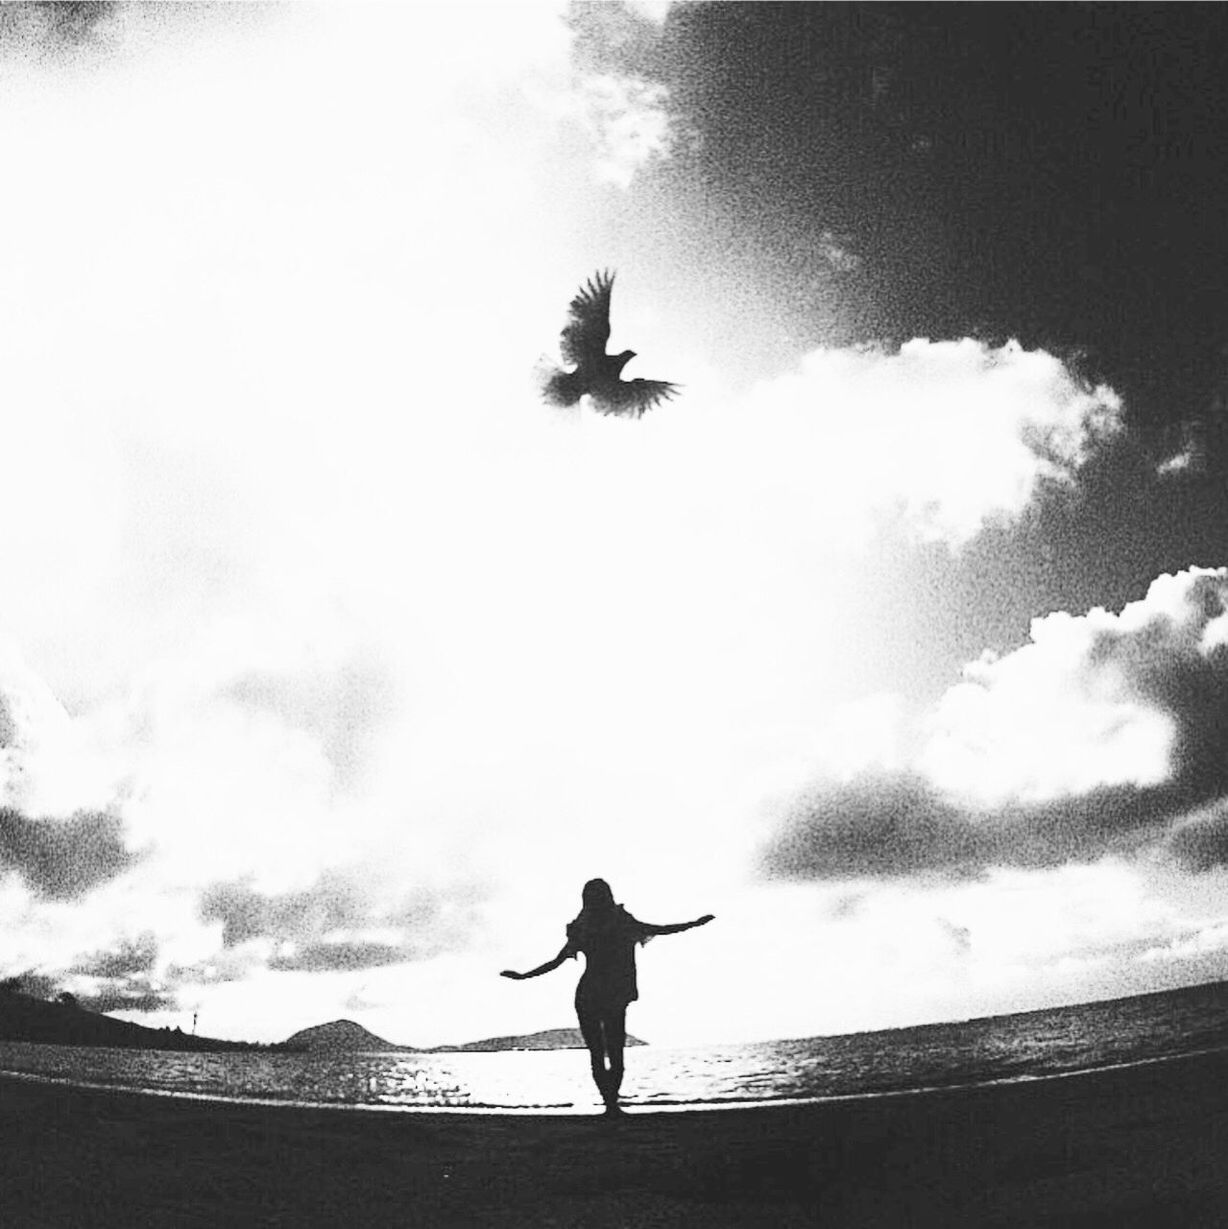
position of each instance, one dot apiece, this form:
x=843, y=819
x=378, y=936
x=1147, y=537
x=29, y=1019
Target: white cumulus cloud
x=1106, y=733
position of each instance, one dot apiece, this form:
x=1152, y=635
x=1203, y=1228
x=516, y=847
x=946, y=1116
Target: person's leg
x=594, y=1038
x=615, y=1028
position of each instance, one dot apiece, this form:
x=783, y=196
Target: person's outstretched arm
x=564, y=953
x=674, y=927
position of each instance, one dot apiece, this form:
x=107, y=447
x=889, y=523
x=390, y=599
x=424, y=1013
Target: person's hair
x=600, y=913
x=597, y=894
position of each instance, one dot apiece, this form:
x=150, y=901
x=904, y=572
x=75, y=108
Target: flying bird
x=596, y=374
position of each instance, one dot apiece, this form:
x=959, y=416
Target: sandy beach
x=1142, y=1146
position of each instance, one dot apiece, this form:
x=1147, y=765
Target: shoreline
x=570, y=1110
x=1145, y=1145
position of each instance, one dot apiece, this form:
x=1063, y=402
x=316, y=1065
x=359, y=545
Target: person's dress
x=608, y=941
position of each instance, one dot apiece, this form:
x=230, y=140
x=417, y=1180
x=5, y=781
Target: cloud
x=248, y=914
x=613, y=97
x=630, y=123
x=31, y=720
x=340, y=921
x=51, y=765
x=1108, y=733
x=838, y=252
x=655, y=11
x=622, y=38
x=946, y=434
x=901, y=824
x=333, y=954
x=32, y=983
x=1199, y=840
x=49, y=29
x=130, y=957
x=64, y=859
x=138, y=995
x=344, y=708
x=122, y=978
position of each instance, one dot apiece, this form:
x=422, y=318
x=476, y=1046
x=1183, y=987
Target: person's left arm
x=674, y=928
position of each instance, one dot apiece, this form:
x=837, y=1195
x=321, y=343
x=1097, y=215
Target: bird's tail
x=557, y=387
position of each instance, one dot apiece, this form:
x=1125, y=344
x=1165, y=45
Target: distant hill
x=550, y=1039
x=339, y=1036
x=346, y=1037
x=24, y=1018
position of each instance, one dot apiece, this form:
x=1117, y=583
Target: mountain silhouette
x=340, y=1036
x=26, y=1018
x=347, y=1037
x=549, y=1039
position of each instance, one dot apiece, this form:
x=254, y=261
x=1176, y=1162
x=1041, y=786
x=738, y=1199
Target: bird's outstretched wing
x=585, y=334
x=633, y=397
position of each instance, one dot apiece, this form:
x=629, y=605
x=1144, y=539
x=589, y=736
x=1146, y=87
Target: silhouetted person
x=597, y=374
x=607, y=934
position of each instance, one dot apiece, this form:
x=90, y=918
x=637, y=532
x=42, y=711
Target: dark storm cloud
x=878, y=826
x=328, y=925
x=888, y=826
x=230, y=966
x=63, y=859
x=57, y=36
x=332, y=903
x=123, y=978
x=1183, y=679
x=1173, y=661
x=1049, y=173
x=120, y=980
x=1200, y=840
x=47, y=29
x=34, y=984
x=129, y=994
x=342, y=954
x=131, y=957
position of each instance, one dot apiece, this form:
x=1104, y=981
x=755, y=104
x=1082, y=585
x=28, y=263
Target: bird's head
x=624, y=358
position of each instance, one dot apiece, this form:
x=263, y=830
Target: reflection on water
x=1006, y=1047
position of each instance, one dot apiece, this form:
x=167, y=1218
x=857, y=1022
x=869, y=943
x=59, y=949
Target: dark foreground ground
x=1143, y=1147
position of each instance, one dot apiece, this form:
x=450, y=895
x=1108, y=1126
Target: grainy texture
x=1140, y=1147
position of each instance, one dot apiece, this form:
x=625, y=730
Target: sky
x=333, y=662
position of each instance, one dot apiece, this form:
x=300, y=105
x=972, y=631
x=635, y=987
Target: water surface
x=1032, y=1045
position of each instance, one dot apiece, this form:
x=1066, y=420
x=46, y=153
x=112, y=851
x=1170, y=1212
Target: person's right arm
x=565, y=952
